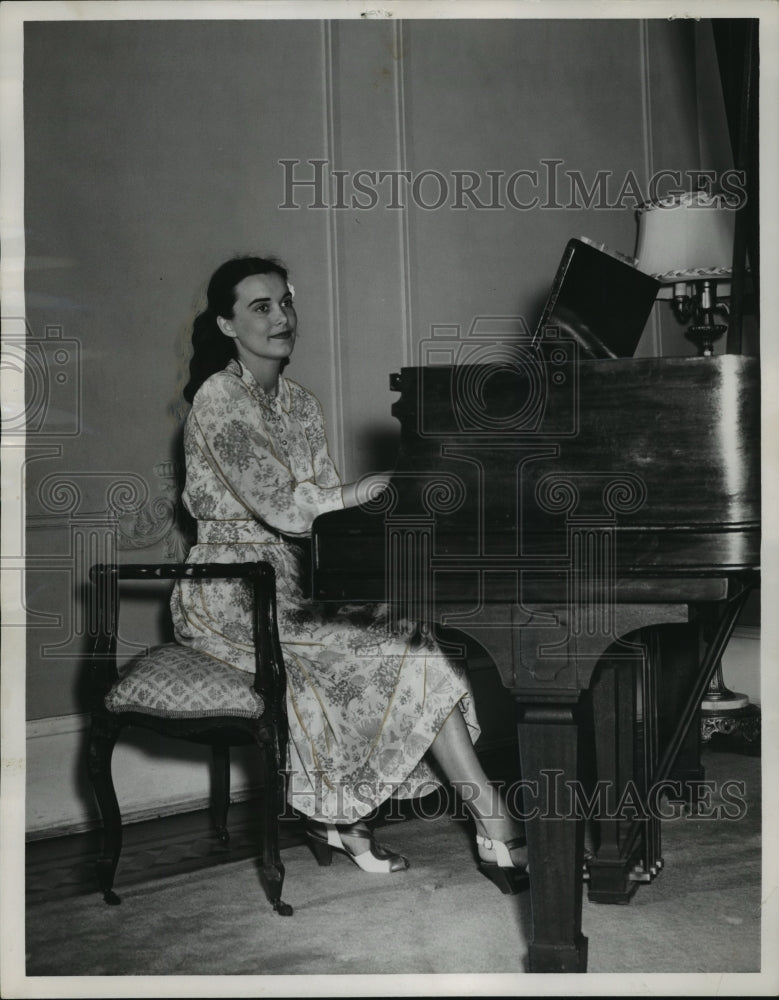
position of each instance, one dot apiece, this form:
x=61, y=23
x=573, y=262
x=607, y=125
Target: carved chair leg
x=272, y=866
x=102, y=738
x=221, y=771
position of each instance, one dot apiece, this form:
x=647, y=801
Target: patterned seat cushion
x=177, y=682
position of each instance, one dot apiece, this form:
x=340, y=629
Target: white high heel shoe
x=507, y=876
x=326, y=838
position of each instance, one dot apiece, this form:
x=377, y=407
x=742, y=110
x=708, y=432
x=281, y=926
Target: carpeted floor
x=701, y=914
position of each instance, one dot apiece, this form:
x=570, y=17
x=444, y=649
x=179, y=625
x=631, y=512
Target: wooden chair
x=181, y=692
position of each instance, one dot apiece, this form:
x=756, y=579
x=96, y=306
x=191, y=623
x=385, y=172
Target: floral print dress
x=364, y=704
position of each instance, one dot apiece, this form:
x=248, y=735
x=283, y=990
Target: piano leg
x=667, y=672
x=613, y=694
x=549, y=754
x=679, y=657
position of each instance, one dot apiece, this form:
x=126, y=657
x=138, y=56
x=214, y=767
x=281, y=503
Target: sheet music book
x=600, y=299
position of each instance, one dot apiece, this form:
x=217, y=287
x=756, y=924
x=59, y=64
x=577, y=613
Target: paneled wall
x=153, y=150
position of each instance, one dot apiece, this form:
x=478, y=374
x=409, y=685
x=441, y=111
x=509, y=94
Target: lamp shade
x=685, y=237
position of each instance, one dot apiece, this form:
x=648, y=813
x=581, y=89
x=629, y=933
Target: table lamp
x=685, y=241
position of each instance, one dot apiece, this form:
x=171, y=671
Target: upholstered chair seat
x=177, y=682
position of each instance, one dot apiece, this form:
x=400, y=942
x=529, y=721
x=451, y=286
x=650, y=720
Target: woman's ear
x=224, y=326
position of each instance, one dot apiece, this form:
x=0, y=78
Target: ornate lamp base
x=704, y=335
x=729, y=720
x=737, y=730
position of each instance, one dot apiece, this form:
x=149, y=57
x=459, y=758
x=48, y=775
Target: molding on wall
x=649, y=149
x=401, y=137
x=329, y=45
x=132, y=514
x=646, y=98
x=56, y=725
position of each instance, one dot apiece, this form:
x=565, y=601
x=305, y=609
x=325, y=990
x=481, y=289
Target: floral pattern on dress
x=364, y=704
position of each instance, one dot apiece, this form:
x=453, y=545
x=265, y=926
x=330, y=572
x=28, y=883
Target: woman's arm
x=354, y=493
x=225, y=428
x=365, y=488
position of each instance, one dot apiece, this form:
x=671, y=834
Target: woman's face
x=264, y=321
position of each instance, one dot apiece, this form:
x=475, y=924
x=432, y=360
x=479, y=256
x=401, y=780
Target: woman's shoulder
x=301, y=398
x=224, y=385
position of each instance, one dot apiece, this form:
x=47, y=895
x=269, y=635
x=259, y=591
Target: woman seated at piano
x=371, y=712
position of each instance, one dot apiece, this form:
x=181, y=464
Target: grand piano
x=573, y=517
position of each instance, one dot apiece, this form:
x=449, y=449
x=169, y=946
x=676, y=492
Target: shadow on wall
x=379, y=443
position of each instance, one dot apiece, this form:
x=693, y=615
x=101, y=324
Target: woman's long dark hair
x=211, y=349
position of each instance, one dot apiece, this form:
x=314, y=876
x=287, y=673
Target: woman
x=365, y=706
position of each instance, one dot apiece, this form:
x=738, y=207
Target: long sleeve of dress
x=273, y=464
